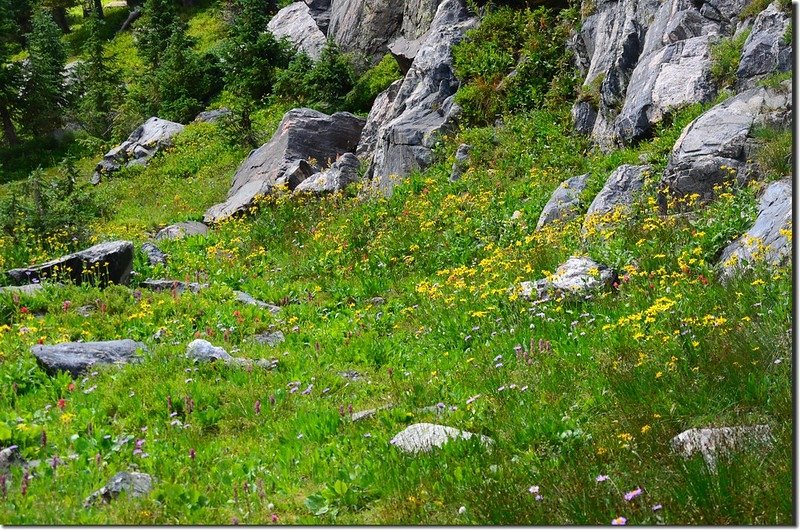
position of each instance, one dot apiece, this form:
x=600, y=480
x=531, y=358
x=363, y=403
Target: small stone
x=154, y=254
x=169, y=285
x=712, y=442
x=182, y=230
x=423, y=437
x=201, y=350
x=245, y=298
x=270, y=339
x=135, y=484
x=10, y=456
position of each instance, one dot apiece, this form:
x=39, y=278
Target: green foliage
x=159, y=21
x=725, y=57
x=774, y=152
x=10, y=75
x=371, y=83
x=515, y=60
x=42, y=93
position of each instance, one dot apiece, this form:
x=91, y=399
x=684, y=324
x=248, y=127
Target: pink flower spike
x=601, y=478
x=633, y=494
x=619, y=521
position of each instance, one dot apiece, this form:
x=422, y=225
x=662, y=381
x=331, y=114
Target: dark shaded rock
x=423, y=107
x=765, y=50
x=577, y=276
x=764, y=241
x=424, y=437
x=320, y=11
x=139, y=148
x=565, y=203
x=270, y=339
x=212, y=116
x=714, y=148
x=584, y=114
x=99, y=265
x=76, y=357
x=10, y=456
x=169, y=285
x=181, y=230
x=716, y=441
x=134, y=484
x=343, y=172
x=296, y=23
x=154, y=254
x=302, y=135
x=365, y=26
x=461, y=164
x=249, y=300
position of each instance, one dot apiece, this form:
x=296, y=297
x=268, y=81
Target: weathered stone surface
x=212, y=116
x=369, y=413
x=584, y=114
x=619, y=190
x=423, y=107
x=423, y=437
x=320, y=11
x=713, y=149
x=139, y=148
x=169, y=285
x=134, y=484
x=365, y=26
x=303, y=135
x=101, y=264
x=565, y=203
x=181, y=230
x=296, y=23
x=10, y=456
x=764, y=241
x=249, y=300
x=76, y=357
x=712, y=442
x=343, y=172
x=29, y=290
x=418, y=16
x=379, y=115
x=461, y=164
x=154, y=254
x=578, y=275
x=270, y=339
x=200, y=350
x=765, y=50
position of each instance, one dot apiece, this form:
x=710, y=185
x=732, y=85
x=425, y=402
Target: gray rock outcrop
x=619, y=190
x=181, y=230
x=343, y=172
x=423, y=107
x=576, y=276
x=715, y=147
x=764, y=241
x=379, y=115
x=565, y=203
x=98, y=265
x=202, y=351
x=76, y=357
x=148, y=139
x=29, y=290
x=766, y=50
x=304, y=135
x=170, y=285
x=296, y=23
x=365, y=26
x=320, y=11
x=10, y=456
x=271, y=339
x=245, y=298
x=713, y=442
x=212, y=116
x=154, y=254
x=134, y=484
x=461, y=164
x=424, y=437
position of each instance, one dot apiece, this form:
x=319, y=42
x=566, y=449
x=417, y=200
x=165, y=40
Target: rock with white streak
x=713, y=442
x=424, y=437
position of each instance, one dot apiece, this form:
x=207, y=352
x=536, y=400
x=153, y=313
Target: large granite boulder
x=715, y=441
x=134, y=484
x=296, y=23
x=565, y=203
x=576, y=276
x=77, y=357
x=767, y=239
x=365, y=27
x=619, y=190
x=766, y=50
x=303, y=135
x=715, y=148
x=423, y=107
x=148, y=139
x=343, y=172
x=424, y=437
x=99, y=265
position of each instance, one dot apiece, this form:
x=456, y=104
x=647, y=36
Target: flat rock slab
x=565, y=202
x=212, y=116
x=765, y=51
x=77, y=357
x=245, y=298
x=424, y=437
x=101, y=264
x=578, y=275
x=169, y=285
x=712, y=442
x=767, y=239
x=303, y=135
x=620, y=189
x=29, y=290
x=134, y=484
x=149, y=138
x=181, y=230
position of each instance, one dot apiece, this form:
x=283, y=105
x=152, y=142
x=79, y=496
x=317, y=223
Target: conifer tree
x=10, y=77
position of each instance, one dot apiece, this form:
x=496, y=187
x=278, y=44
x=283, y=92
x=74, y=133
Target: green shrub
x=725, y=57
x=774, y=153
x=371, y=83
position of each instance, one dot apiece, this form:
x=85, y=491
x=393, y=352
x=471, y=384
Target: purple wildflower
x=257, y=406
x=619, y=521
x=601, y=478
x=657, y=507
x=633, y=494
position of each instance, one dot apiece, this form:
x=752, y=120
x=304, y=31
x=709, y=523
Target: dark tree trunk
x=98, y=8
x=135, y=14
x=60, y=17
x=9, y=132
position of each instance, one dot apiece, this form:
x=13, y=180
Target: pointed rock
x=766, y=50
x=343, y=172
x=296, y=23
x=154, y=254
x=565, y=203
